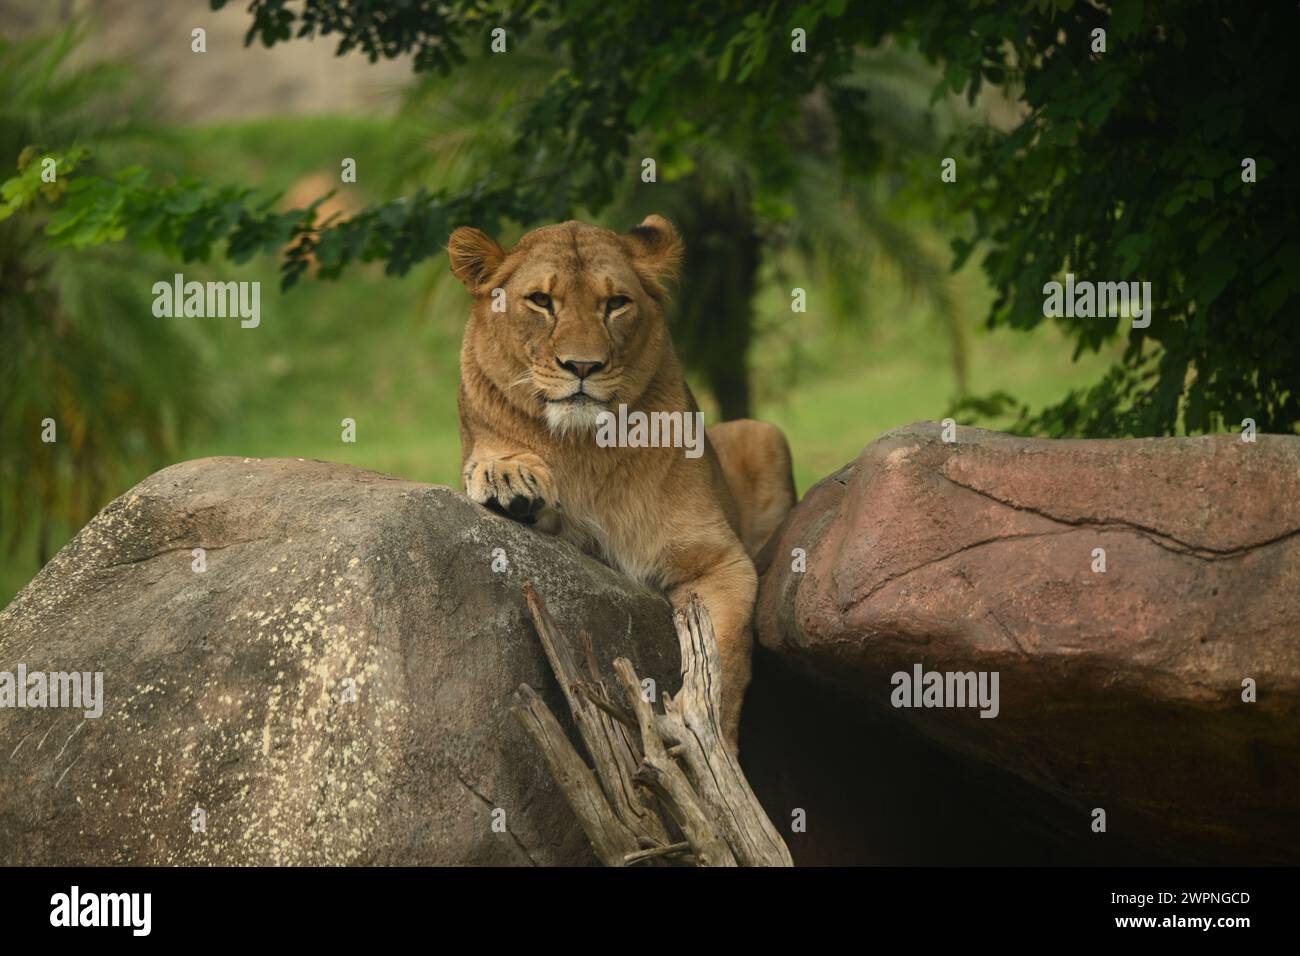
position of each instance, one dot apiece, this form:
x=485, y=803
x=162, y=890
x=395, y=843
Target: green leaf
x=1125, y=18
x=1211, y=234
x=724, y=61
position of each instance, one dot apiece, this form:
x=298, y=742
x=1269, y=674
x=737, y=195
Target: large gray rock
x=229, y=689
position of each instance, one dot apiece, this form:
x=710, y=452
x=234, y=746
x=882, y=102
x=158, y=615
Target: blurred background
x=890, y=334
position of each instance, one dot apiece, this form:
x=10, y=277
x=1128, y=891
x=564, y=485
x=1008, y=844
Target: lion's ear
x=655, y=247
x=474, y=256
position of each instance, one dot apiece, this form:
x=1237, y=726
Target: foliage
x=117, y=389
x=739, y=193
x=1127, y=165
x=825, y=234
x=1124, y=164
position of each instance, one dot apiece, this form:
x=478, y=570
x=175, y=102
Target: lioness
x=578, y=329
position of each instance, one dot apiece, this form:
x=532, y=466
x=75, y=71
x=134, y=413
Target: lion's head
x=569, y=322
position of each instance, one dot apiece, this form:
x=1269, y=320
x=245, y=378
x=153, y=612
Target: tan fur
x=756, y=462
x=680, y=524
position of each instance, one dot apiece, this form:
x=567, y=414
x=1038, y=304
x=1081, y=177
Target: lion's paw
x=517, y=486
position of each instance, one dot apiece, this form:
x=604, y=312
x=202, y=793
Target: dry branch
x=664, y=787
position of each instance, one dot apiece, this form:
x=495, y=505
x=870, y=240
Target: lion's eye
x=616, y=302
x=540, y=299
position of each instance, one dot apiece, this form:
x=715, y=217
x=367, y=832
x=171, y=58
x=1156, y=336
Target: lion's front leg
x=728, y=590
x=515, y=484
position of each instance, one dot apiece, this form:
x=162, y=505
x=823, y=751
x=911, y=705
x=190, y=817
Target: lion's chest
x=622, y=525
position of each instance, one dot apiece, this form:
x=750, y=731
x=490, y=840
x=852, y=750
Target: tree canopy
x=1147, y=146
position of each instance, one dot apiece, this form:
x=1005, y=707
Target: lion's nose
x=581, y=369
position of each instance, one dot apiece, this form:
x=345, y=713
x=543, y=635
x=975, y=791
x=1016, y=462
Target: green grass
x=835, y=385
x=384, y=351
x=900, y=379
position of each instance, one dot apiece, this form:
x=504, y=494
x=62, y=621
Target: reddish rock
x=1120, y=689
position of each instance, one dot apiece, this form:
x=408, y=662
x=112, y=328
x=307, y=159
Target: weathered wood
x=640, y=855
x=609, y=707
x=612, y=840
x=661, y=774
x=606, y=740
x=655, y=775
x=693, y=718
